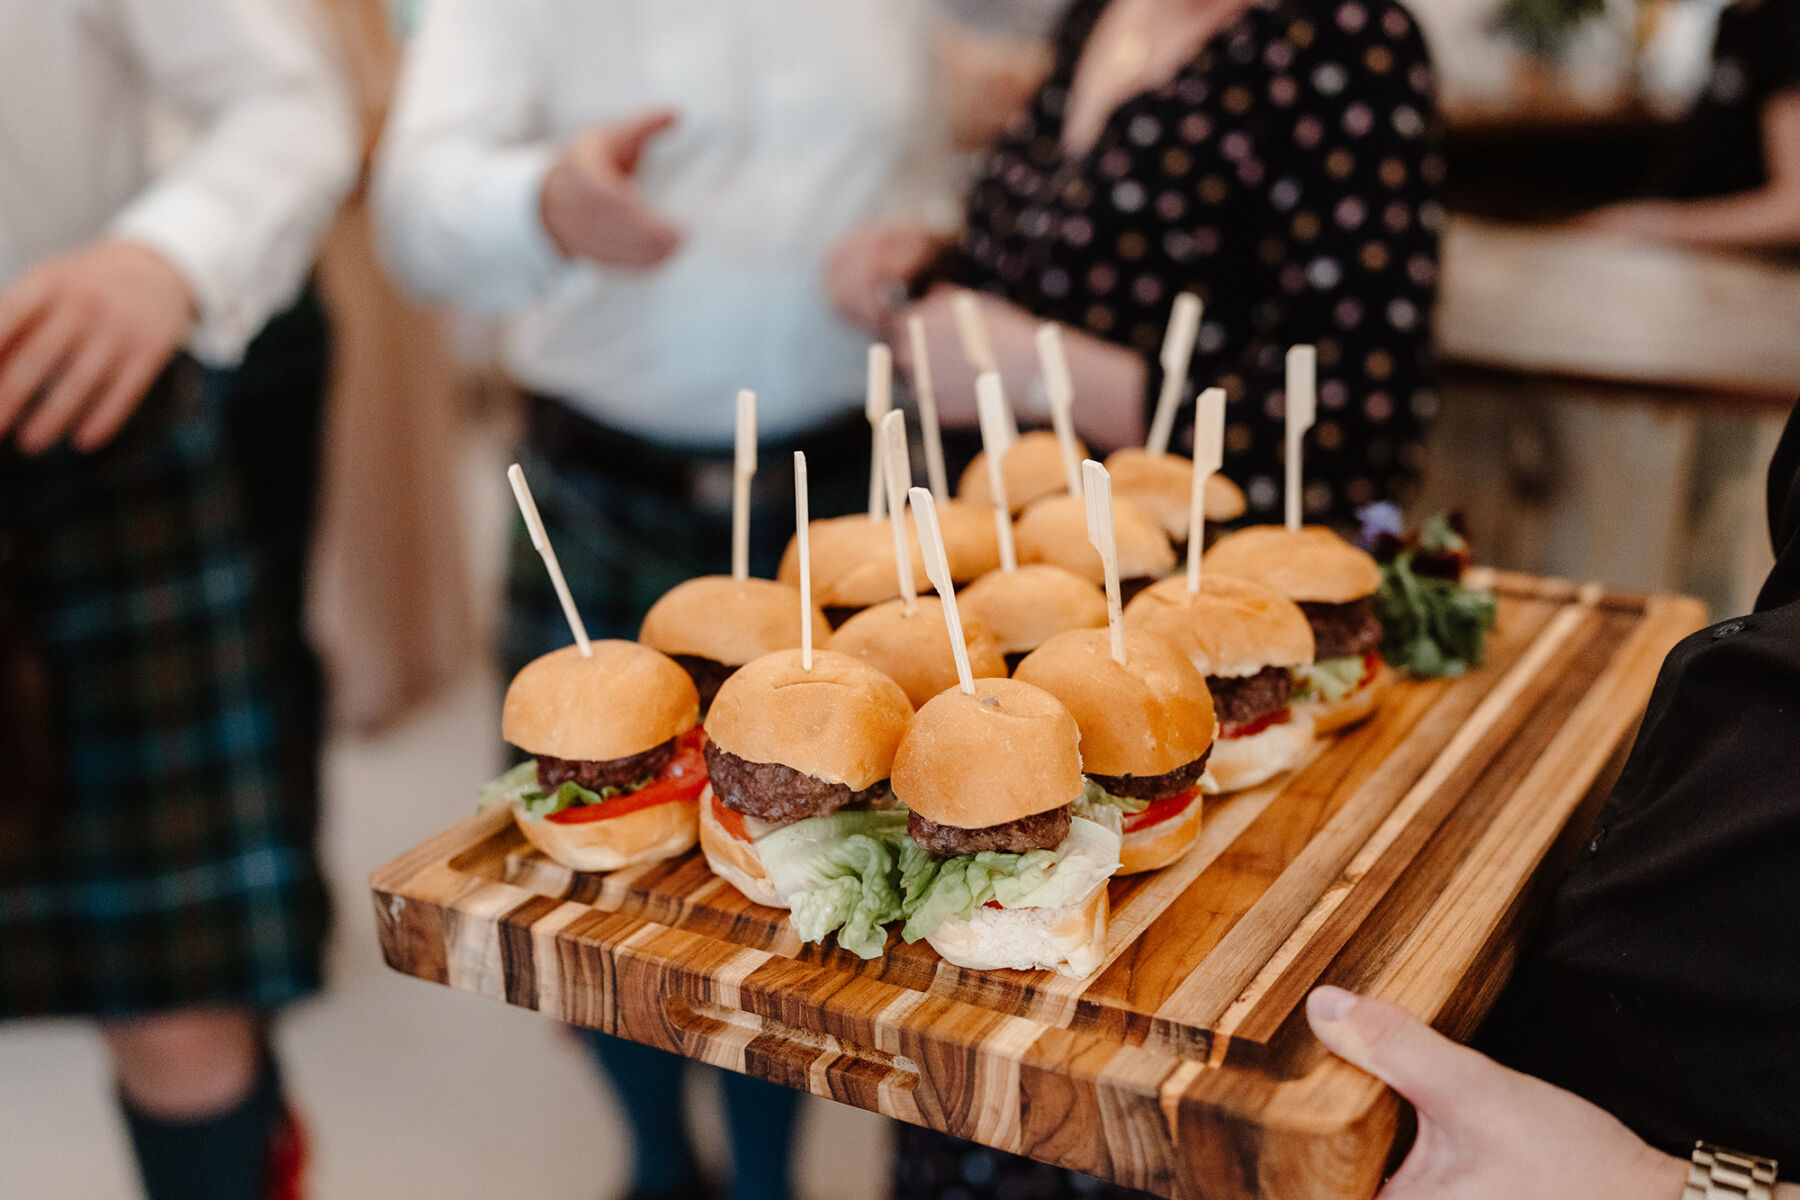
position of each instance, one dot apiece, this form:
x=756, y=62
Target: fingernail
x=1329, y=1004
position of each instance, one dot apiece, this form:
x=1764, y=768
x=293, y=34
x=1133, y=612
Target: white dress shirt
x=795, y=117
x=272, y=149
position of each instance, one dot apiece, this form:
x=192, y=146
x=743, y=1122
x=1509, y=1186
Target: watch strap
x=1715, y=1173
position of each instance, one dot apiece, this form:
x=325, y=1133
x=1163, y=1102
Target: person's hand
x=871, y=266
x=82, y=338
x=590, y=206
x=1486, y=1132
x=1643, y=220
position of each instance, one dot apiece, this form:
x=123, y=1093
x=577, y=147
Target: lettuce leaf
x=520, y=786
x=1333, y=679
x=510, y=787
x=1431, y=626
x=1096, y=797
x=938, y=889
x=839, y=874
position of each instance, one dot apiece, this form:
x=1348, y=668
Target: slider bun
x=1024, y=608
x=1312, y=564
x=729, y=621
x=1070, y=940
x=734, y=861
x=1144, y=718
x=1355, y=706
x=1054, y=530
x=1032, y=469
x=1232, y=628
x=1007, y=752
x=1159, y=845
x=839, y=722
x=915, y=651
x=1163, y=486
x=624, y=700
x=647, y=835
x=1244, y=762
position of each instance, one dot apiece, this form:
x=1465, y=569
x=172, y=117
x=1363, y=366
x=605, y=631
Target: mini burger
x=618, y=768
x=853, y=557
x=1250, y=643
x=1055, y=531
x=999, y=870
x=1032, y=468
x=914, y=650
x=715, y=624
x=799, y=814
x=1162, y=486
x=1023, y=609
x=1146, y=731
x=1334, y=583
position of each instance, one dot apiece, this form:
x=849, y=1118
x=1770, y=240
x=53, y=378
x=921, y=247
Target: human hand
x=1487, y=1132
x=873, y=264
x=1012, y=333
x=590, y=206
x=82, y=338
x=1644, y=220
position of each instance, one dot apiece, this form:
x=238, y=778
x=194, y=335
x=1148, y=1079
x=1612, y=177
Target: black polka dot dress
x=1289, y=176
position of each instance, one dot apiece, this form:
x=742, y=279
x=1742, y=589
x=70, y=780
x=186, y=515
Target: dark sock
x=221, y=1157
x=761, y=1117
x=647, y=1082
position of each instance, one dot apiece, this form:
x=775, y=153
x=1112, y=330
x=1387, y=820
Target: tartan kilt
x=168, y=859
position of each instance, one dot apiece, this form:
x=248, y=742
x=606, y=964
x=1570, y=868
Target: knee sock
x=647, y=1082
x=221, y=1157
x=761, y=1117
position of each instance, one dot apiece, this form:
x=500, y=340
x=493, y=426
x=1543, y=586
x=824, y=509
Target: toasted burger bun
x=734, y=861
x=1032, y=469
x=646, y=836
x=1070, y=940
x=624, y=700
x=1007, y=752
x=914, y=651
x=730, y=621
x=853, y=557
x=1232, y=628
x=1147, y=717
x=1163, y=487
x=1054, y=531
x=1161, y=844
x=1355, y=706
x=1313, y=564
x=1239, y=763
x=1025, y=608
x=840, y=722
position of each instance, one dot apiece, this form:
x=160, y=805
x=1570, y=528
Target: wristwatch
x=1720, y=1174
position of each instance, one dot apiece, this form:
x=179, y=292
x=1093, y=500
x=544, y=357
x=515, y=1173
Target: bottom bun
x=645, y=836
x=1354, y=706
x=1162, y=843
x=1070, y=940
x=733, y=859
x=1243, y=762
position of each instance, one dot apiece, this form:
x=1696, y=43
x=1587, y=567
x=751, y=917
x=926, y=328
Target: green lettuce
x=839, y=874
x=1431, y=626
x=1094, y=797
x=938, y=889
x=520, y=786
x=1333, y=679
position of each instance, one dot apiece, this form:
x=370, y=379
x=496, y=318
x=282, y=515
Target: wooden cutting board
x=1405, y=859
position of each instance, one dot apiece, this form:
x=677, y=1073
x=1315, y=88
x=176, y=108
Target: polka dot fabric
x=1289, y=176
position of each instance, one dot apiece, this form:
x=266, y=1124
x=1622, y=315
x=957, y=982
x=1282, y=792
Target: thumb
x=1425, y=1067
x=628, y=139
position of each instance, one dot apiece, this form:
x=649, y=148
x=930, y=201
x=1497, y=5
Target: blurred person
x=1731, y=175
x=1276, y=157
x=158, y=870
x=646, y=192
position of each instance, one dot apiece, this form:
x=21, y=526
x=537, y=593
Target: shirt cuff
x=509, y=201
x=173, y=221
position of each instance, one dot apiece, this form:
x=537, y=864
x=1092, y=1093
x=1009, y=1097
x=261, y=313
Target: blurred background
x=1605, y=409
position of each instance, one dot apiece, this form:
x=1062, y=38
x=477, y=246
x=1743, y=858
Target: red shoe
x=287, y=1159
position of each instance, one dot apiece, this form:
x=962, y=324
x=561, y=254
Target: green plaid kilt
x=166, y=857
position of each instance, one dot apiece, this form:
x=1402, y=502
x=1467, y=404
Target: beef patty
x=1155, y=787
x=1238, y=701
x=613, y=772
x=774, y=792
x=1344, y=630
x=1039, y=831
x=708, y=675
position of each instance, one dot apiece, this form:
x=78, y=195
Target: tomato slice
x=1371, y=664
x=1233, y=729
x=730, y=820
x=1161, y=810
x=683, y=777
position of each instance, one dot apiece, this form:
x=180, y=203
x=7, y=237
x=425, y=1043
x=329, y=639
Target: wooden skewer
x=1177, y=354
x=926, y=395
x=978, y=348
x=937, y=569
x=990, y=406
x=803, y=537
x=1302, y=404
x=742, y=469
x=534, y=525
x=897, y=470
x=878, y=400
x=1059, y=388
x=1103, y=535
x=1209, y=455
